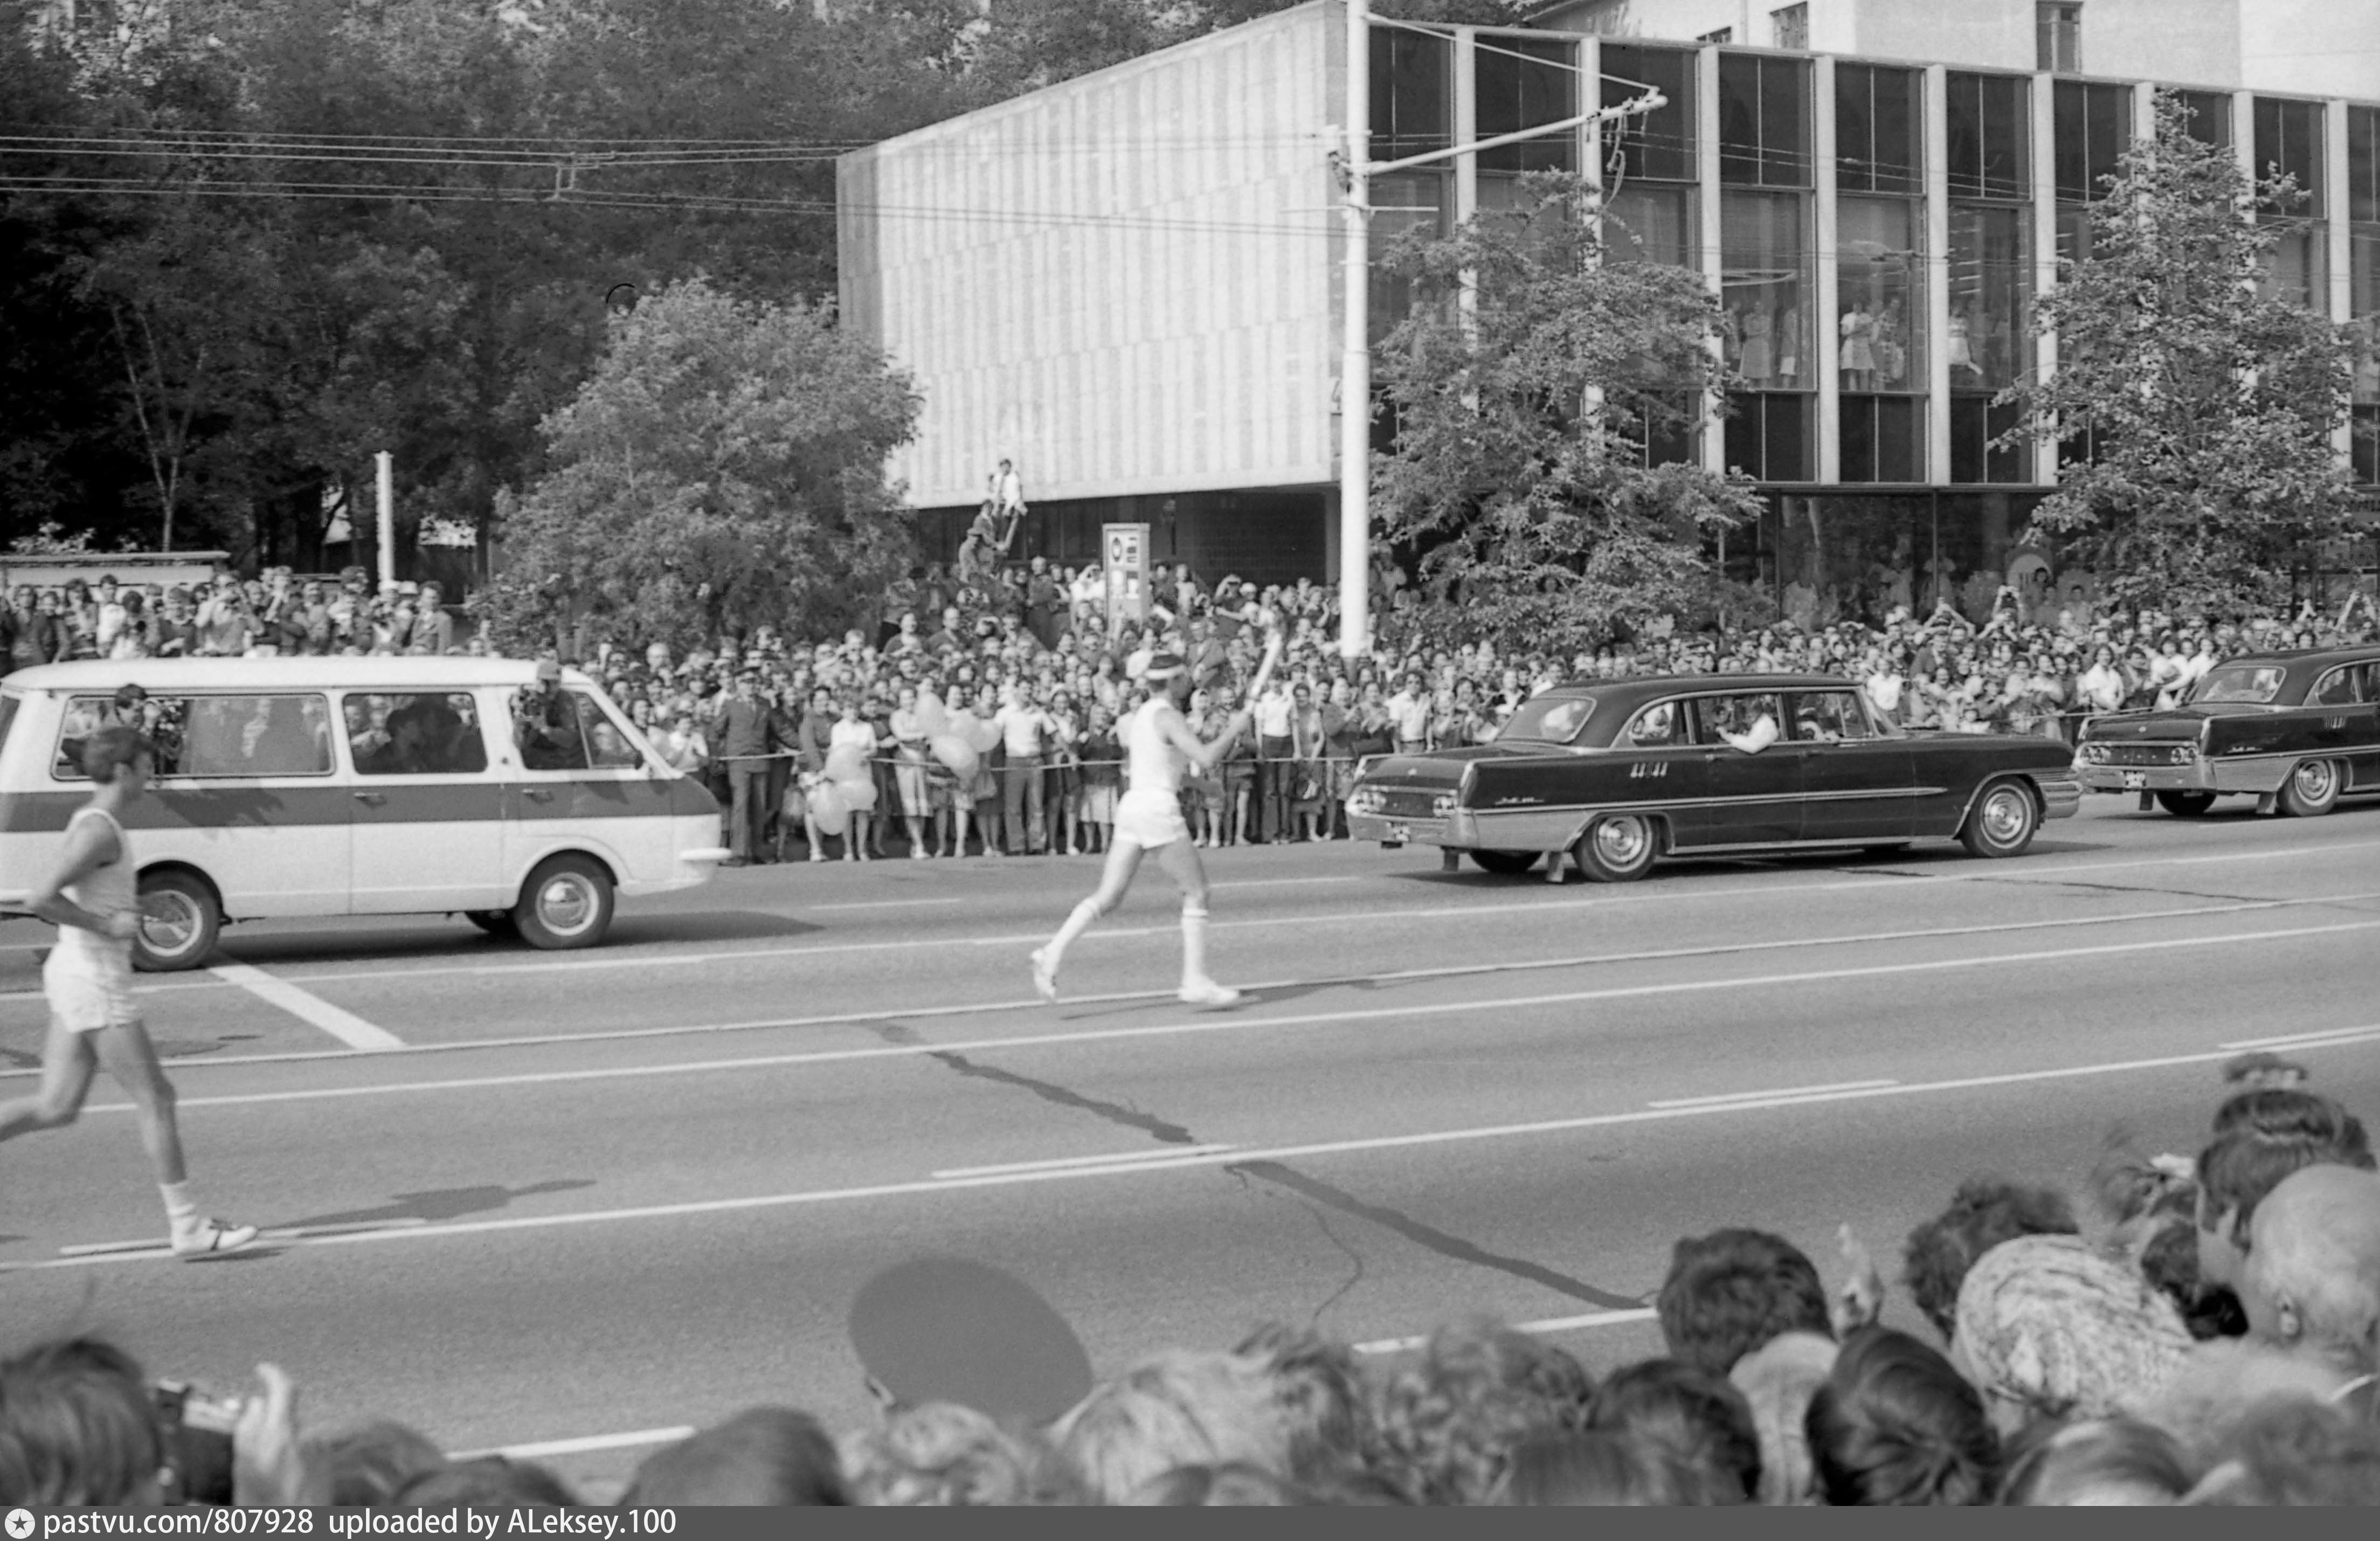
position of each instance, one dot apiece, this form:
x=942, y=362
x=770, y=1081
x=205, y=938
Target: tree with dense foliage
x=2197, y=401
x=1526, y=385
x=722, y=469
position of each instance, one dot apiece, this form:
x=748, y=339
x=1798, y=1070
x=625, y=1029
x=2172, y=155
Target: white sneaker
x=1205, y=992
x=211, y=1238
x=1045, y=978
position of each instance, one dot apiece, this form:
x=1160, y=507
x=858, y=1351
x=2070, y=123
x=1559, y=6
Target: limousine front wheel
x=566, y=902
x=179, y=922
x=1618, y=848
x=2003, y=821
x=2312, y=789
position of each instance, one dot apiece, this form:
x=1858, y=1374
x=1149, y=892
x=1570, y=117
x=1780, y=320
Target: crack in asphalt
x=1312, y=1192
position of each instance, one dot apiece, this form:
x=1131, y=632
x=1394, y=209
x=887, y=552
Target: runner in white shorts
x=94, y=901
x=1158, y=744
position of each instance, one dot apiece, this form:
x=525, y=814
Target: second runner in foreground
x=1158, y=744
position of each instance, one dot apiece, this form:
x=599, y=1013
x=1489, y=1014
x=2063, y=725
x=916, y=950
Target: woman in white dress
x=1157, y=745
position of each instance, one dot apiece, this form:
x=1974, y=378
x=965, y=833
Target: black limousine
x=2297, y=731
x=1623, y=773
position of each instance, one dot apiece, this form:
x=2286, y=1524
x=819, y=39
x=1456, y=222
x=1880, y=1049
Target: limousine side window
x=2249, y=684
x=1739, y=715
x=209, y=736
x=1829, y=717
x=1662, y=726
x=2335, y=688
x=429, y=734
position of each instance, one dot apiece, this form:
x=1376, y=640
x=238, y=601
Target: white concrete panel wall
x=1983, y=34
x=2193, y=43
x=1121, y=283
x=2311, y=47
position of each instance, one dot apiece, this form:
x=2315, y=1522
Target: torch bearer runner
x=1158, y=744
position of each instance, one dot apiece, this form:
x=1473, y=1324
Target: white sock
x=181, y=1210
x=1194, y=944
x=1076, y=924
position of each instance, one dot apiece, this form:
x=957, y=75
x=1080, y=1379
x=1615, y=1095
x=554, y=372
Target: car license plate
x=2135, y=780
x=1398, y=834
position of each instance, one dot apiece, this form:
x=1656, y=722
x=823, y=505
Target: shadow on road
x=441, y=1204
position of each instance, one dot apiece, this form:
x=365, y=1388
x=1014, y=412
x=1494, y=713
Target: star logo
x=20, y=1524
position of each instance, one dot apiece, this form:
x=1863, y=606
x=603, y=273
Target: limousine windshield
x=1547, y=720
x=2246, y=683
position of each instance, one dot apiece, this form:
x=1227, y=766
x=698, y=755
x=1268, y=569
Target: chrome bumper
x=2220, y=776
x=1390, y=831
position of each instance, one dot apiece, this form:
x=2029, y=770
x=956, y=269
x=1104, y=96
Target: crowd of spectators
x=2173, y=1330
x=1019, y=660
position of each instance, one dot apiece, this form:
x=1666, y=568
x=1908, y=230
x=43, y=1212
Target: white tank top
x=114, y=888
x=1150, y=758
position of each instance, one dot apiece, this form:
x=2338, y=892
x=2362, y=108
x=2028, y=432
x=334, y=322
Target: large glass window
x=1412, y=94
x=1764, y=121
x=2363, y=257
x=1879, y=130
x=1991, y=286
x=1768, y=435
x=1403, y=203
x=1788, y=26
x=1881, y=293
x=2058, y=35
x=1522, y=84
x=1659, y=144
x=1649, y=222
x=208, y=735
x=2210, y=116
x=2289, y=143
x=1883, y=438
x=2093, y=125
x=1987, y=143
x=1765, y=282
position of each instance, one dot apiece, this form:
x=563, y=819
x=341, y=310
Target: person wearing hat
x=544, y=726
x=750, y=737
x=1157, y=744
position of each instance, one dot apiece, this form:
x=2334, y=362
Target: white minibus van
x=319, y=786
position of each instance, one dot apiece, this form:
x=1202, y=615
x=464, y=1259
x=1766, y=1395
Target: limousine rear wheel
x=1505, y=863
x=2185, y=805
x=179, y=922
x=2003, y=821
x=566, y=902
x=1618, y=848
x=2312, y=789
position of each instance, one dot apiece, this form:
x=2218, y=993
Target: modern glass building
x=1876, y=229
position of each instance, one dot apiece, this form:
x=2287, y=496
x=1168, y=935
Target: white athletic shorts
x=88, y=992
x=1150, y=818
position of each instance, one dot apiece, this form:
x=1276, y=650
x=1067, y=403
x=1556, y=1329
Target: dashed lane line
x=1228, y=1023
x=1362, y=1146
x=308, y=1007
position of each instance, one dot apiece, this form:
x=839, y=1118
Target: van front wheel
x=566, y=902
x=179, y=922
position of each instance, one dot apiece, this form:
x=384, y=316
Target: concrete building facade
x=1128, y=283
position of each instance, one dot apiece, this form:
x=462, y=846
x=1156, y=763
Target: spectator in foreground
x=2050, y=1327
x=1732, y=1291
x=763, y=1457
x=1895, y=1424
x=1985, y=1212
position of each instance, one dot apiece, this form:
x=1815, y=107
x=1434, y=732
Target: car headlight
x=2097, y=754
x=1442, y=805
x=1363, y=799
x=2183, y=754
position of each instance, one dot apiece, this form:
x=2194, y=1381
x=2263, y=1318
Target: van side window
x=427, y=734
x=208, y=735
x=569, y=730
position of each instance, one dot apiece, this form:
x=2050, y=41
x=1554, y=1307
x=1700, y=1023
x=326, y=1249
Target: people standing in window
x=1859, y=363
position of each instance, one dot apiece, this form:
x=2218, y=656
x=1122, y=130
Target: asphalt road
x=598, y=1196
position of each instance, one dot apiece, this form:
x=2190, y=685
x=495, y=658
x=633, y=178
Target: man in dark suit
x=744, y=735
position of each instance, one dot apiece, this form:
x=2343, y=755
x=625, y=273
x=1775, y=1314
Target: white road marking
x=886, y=903
x=546, y=1448
x=537, y=1040
x=338, y=1021
x=1216, y=1023
x=2309, y=1039
x=1162, y=1153
x=1292, y=882
x=1778, y=1093
x=1550, y=1325
x=1366, y=1144
x=1637, y=894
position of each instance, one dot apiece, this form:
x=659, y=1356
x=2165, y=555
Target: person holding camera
x=93, y=899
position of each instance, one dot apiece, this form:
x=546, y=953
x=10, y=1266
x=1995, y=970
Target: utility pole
x=1355, y=359
x=386, y=464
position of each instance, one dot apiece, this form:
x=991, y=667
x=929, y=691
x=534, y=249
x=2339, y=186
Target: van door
x=247, y=794
x=580, y=782
x=427, y=808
